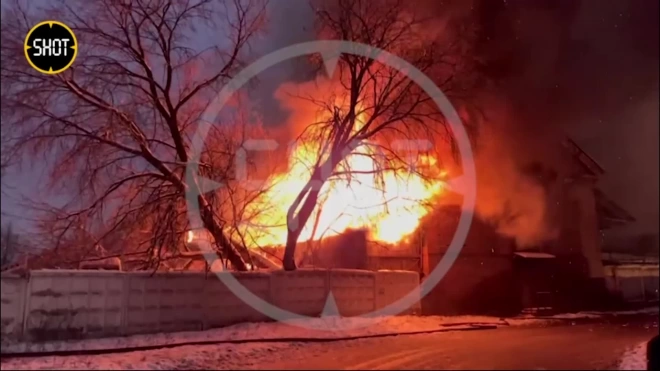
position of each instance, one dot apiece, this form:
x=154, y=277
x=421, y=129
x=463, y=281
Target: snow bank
x=593, y=314
x=207, y=357
x=317, y=328
x=328, y=328
x=299, y=330
x=256, y=354
x=234, y=356
x=634, y=359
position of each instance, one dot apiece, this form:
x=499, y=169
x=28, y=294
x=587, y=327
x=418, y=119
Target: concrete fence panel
x=222, y=307
x=163, y=302
x=353, y=291
x=303, y=291
x=13, y=292
x=391, y=286
x=71, y=304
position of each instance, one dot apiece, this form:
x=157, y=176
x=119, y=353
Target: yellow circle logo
x=51, y=47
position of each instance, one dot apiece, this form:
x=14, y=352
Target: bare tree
x=375, y=105
x=114, y=130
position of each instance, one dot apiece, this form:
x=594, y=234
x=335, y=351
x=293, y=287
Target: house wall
x=481, y=279
x=484, y=278
x=579, y=233
x=403, y=256
x=474, y=285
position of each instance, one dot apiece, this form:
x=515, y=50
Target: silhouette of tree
x=376, y=104
x=115, y=128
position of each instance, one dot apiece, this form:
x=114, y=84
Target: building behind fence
x=61, y=304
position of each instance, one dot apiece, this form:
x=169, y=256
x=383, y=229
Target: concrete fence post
x=207, y=300
x=26, y=305
x=375, y=288
x=203, y=302
x=271, y=288
x=125, y=295
x=269, y=294
x=328, y=282
x=23, y=303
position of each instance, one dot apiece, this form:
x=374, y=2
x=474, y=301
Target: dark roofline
x=610, y=214
x=592, y=165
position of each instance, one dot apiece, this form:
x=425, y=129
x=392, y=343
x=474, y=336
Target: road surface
x=579, y=346
x=596, y=345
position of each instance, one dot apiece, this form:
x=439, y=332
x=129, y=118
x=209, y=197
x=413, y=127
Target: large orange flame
x=389, y=204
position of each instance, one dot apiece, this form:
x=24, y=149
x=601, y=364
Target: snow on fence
x=72, y=304
x=633, y=282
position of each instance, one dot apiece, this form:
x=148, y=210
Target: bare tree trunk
x=294, y=231
x=121, y=116
x=309, y=253
x=313, y=189
x=388, y=103
x=229, y=251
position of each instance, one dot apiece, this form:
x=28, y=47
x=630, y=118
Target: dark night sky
x=585, y=67
x=594, y=74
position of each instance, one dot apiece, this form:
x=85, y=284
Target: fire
x=389, y=205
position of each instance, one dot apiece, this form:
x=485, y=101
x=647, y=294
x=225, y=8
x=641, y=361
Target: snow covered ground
x=231, y=356
x=317, y=328
x=634, y=359
x=200, y=357
x=592, y=314
x=262, y=344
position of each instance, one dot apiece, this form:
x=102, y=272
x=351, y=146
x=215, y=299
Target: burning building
x=501, y=269
x=546, y=255
x=497, y=274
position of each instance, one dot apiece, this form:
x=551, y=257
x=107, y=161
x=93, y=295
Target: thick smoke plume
x=584, y=69
x=559, y=68
x=516, y=178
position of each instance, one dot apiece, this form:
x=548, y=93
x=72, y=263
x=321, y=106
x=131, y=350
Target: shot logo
x=51, y=47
